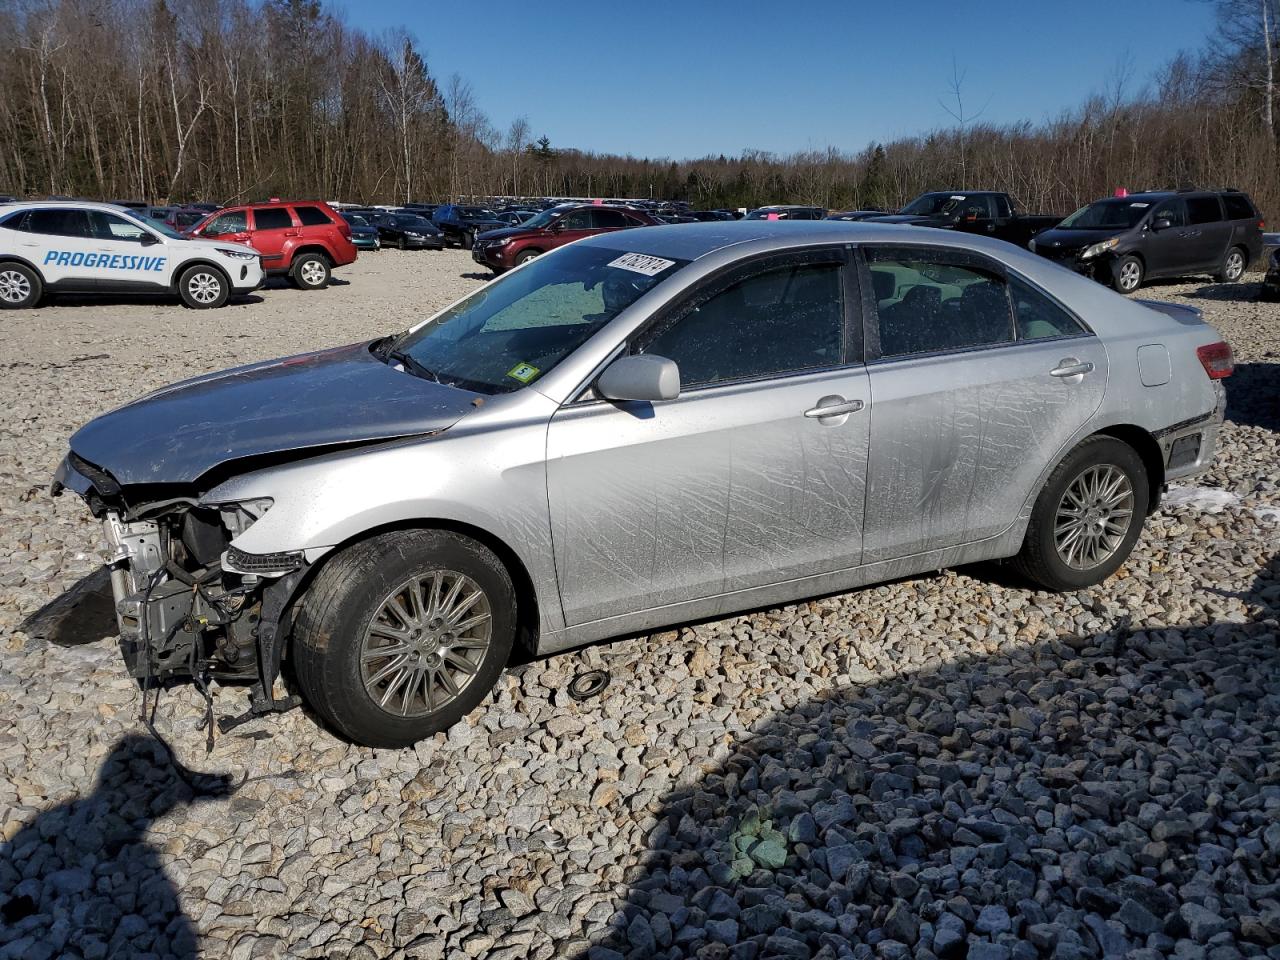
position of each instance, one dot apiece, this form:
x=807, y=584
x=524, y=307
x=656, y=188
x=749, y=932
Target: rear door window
x=608, y=219
x=929, y=305
x=1203, y=210
x=59, y=223
x=312, y=217
x=272, y=218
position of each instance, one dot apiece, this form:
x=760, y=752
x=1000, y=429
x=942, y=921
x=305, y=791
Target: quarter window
x=1238, y=207
x=779, y=321
x=1203, y=210
x=924, y=305
x=272, y=218
x=1038, y=317
x=312, y=217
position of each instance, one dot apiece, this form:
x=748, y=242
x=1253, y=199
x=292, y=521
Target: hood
x=508, y=232
x=339, y=396
x=204, y=243
x=909, y=218
x=1071, y=240
x=483, y=224
x=364, y=231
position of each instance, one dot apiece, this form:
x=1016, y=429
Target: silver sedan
x=636, y=430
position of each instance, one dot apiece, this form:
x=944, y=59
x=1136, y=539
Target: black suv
x=1124, y=241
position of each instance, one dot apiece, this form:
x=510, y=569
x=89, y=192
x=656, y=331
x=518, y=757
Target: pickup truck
x=986, y=212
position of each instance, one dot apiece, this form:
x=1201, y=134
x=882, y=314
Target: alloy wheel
x=14, y=287
x=1093, y=517
x=1130, y=275
x=425, y=643
x=312, y=273
x=1235, y=265
x=204, y=287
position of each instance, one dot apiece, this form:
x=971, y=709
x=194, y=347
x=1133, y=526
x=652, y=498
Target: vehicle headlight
x=499, y=243
x=1100, y=248
x=237, y=254
x=240, y=516
x=410, y=233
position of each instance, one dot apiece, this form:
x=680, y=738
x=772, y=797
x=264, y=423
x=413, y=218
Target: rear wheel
x=468, y=240
x=310, y=272
x=1087, y=518
x=401, y=636
x=402, y=243
x=20, y=286
x=202, y=287
x=1233, y=265
x=1128, y=274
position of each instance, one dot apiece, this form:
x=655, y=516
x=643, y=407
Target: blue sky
x=695, y=78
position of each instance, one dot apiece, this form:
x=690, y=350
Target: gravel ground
x=941, y=766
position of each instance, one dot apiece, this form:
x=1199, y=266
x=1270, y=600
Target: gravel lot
x=944, y=764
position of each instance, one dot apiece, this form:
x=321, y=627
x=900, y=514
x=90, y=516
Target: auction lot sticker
x=524, y=372
x=642, y=263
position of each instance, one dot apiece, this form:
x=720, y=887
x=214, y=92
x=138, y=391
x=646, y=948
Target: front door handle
x=1071, y=367
x=833, y=406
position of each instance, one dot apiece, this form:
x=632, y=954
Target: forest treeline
x=230, y=100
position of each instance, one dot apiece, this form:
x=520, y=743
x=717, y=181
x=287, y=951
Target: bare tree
x=962, y=119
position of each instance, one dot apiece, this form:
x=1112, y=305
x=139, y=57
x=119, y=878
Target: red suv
x=501, y=250
x=303, y=240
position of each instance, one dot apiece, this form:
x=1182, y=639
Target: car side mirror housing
x=644, y=376
x=1161, y=224
x=148, y=240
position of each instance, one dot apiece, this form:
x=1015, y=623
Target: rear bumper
x=1189, y=447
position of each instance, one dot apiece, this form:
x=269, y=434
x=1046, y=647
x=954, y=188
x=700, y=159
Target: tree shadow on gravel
x=81, y=880
x=85, y=613
x=1253, y=395
x=1088, y=796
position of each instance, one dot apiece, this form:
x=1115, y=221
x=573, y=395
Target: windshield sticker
x=524, y=372
x=954, y=197
x=642, y=263
x=1140, y=205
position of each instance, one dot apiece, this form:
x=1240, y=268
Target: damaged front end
x=187, y=602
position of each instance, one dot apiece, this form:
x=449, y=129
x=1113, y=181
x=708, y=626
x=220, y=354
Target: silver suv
x=636, y=430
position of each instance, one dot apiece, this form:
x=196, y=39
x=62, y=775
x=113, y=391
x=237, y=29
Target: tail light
x=1262, y=224
x=344, y=229
x=1216, y=359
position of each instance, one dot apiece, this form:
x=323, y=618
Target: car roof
x=66, y=205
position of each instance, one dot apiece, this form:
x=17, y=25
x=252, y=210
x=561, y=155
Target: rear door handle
x=1071, y=367
x=833, y=406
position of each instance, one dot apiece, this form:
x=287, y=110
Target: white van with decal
x=100, y=248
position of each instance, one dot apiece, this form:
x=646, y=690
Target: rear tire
x=402, y=244
x=363, y=602
x=468, y=240
x=1233, y=265
x=203, y=288
x=1127, y=275
x=310, y=272
x=1087, y=518
x=20, y=286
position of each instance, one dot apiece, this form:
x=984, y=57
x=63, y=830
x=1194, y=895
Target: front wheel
x=1127, y=276
x=524, y=256
x=202, y=288
x=468, y=240
x=1233, y=265
x=1087, y=518
x=402, y=635
x=20, y=286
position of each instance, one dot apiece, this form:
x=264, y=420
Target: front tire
x=1233, y=265
x=468, y=240
x=1087, y=518
x=524, y=256
x=20, y=286
x=1127, y=276
x=203, y=288
x=310, y=272
x=402, y=635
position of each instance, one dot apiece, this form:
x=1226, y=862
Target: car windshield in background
x=354, y=220
x=414, y=222
x=478, y=212
x=931, y=204
x=513, y=331
x=1107, y=215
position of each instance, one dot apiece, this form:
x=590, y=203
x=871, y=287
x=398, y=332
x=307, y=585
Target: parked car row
x=53, y=246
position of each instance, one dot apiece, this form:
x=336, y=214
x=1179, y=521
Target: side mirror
x=641, y=377
x=148, y=240
x=1161, y=224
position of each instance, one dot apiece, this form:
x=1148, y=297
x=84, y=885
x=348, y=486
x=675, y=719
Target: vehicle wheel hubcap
x=1235, y=266
x=1093, y=517
x=204, y=287
x=1129, y=276
x=14, y=287
x=312, y=273
x=426, y=643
